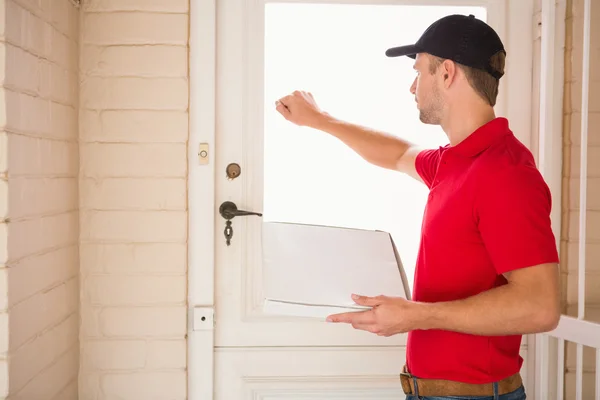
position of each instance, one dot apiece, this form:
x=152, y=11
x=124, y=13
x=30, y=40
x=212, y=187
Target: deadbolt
x=233, y=171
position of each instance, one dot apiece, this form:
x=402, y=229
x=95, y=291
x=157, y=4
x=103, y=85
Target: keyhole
x=233, y=171
x=203, y=318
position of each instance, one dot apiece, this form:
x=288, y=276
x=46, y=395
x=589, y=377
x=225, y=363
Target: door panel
x=309, y=373
x=341, y=373
x=292, y=174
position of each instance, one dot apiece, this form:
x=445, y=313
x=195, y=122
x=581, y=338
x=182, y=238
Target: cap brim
x=410, y=50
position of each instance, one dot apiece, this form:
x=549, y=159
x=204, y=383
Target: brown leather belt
x=441, y=387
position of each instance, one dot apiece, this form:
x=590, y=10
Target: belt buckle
x=405, y=379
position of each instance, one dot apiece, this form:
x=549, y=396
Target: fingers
x=368, y=301
x=282, y=109
x=363, y=320
x=358, y=318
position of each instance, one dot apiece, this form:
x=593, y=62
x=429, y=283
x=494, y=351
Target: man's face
x=427, y=92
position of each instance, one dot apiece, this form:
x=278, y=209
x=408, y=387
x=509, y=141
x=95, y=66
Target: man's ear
x=448, y=69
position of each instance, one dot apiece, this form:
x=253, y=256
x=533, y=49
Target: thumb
x=368, y=301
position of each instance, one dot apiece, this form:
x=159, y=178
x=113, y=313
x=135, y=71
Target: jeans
x=518, y=394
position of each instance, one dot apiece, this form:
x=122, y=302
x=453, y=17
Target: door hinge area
x=202, y=318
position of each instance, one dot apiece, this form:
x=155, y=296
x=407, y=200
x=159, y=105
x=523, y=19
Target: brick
x=593, y=194
x=152, y=258
x=143, y=322
x=133, y=194
x=146, y=385
x=62, y=17
x=3, y=57
x=64, y=85
x=588, y=391
x=592, y=294
x=3, y=289
x=20, y=107
x=134, y=93
x=89, y=384
x=148, y=61
x=577, y=58
x=33, y=236
x=64, y=122
x=3, y=199
x=22, y=70
x=41, y=272
x=134, y=126
x=135, y=28
x=592, y=257
x=592, y=226
x=3, y=243
x=33, y=6
x=172, y=6
x=90, y=320
x=42, y=311
x=50, y=382
x=45, y=79
x=135, y=290
x=14, y=28
x=3, y=378
x=107, y=355
x=70, y=392
x=3, y=140
x=593, y=161
x=593, y=137
x=59, y=194
x=36, y=356
x=133, y=160
x=134, y=226
x=593, y=99
x=167, y=354
x=40, y=157
x=33, y=33
x=3, y=333
x=62, y=51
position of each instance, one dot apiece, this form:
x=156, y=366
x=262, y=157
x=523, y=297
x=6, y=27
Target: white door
x=264, y=51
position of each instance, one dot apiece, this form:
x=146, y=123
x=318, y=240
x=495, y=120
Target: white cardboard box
x=312, y=270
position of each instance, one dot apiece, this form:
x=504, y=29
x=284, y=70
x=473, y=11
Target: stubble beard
x=432, y=114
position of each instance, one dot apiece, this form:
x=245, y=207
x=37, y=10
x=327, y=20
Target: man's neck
x=462, y=122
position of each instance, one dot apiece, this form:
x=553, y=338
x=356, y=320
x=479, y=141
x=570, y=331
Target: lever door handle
x=229, y=210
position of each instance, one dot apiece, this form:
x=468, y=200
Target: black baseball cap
x=460, y=38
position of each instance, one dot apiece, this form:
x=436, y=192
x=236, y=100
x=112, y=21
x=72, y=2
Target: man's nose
x=413, y=87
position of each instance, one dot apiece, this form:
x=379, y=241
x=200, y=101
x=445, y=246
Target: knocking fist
x=300, y=108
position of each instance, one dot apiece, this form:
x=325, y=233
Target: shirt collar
x=482, y=138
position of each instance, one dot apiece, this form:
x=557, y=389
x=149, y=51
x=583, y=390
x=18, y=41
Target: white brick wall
x=39, y=317
x=133, y=133
x=3, y=215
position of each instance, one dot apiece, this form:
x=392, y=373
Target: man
x=487, y=269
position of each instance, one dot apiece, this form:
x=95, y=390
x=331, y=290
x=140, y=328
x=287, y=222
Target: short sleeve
x=426, y=164
x=513, y=214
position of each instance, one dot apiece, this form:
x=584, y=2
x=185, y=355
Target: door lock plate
x=203, y=318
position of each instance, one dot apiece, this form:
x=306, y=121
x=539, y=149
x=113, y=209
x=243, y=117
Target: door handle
x=229, y=210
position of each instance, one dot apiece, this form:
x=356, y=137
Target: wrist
x=321, y=121
x=427, y=316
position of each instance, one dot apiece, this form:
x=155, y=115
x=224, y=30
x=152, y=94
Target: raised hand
x=300, y=108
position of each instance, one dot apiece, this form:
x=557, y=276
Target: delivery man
x=487, y=267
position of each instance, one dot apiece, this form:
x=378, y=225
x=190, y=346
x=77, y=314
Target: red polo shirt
x=488, y=212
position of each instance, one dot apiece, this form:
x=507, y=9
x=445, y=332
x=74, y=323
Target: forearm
x=505, y=310
x=378, y=148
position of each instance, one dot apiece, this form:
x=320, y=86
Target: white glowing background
x=337, y=53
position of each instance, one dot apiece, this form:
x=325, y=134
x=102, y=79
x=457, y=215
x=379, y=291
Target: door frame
x=519, y=23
